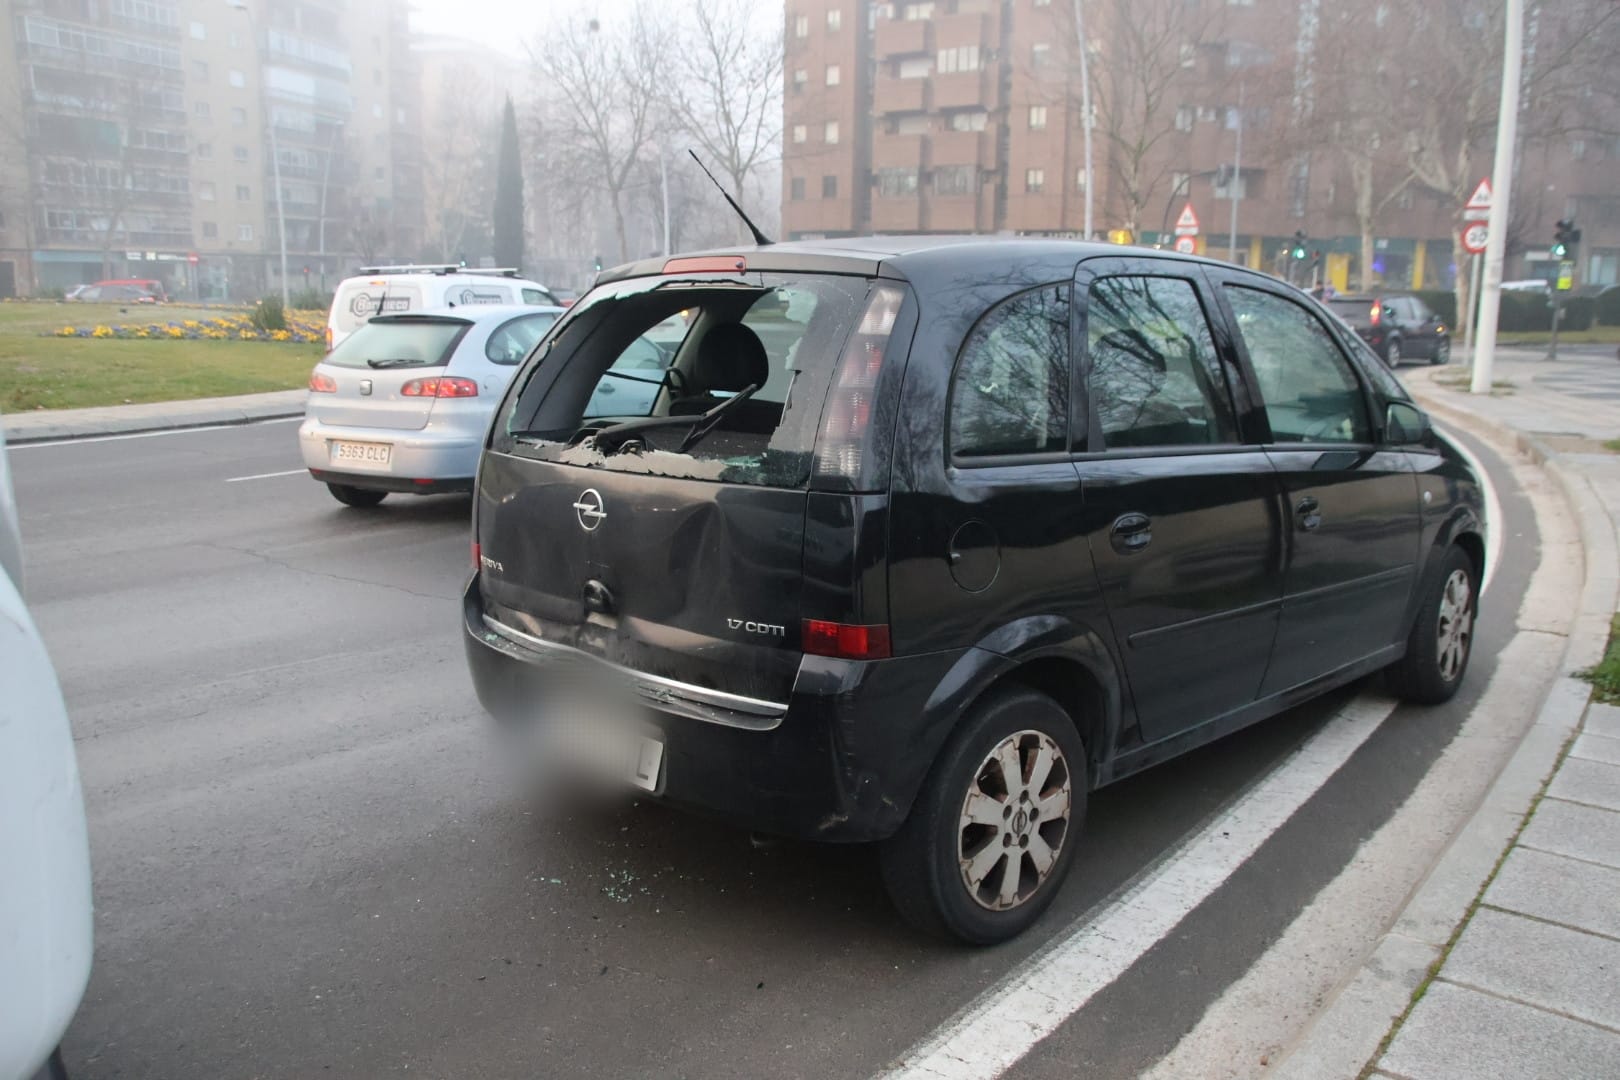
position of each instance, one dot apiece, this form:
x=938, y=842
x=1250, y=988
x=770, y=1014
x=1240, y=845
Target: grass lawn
x=68, y=373
x=1605, y=677
x=1598, y=335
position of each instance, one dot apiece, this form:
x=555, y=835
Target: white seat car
x=45, y=915
x=395, y=290
x=403, y=403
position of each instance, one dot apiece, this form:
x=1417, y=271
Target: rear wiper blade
x=395, y=361
x=613, y=436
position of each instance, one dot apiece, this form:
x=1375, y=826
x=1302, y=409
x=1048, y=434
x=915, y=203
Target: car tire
x=362, y=498
x=1392, y=354
x=1442, y=353
x=967, y=814
x=1442, y=638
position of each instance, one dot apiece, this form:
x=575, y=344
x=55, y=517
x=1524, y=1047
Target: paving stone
x=1581, y=832
x=1460, y=1034
x=1591, y=782
x=1596, y=748
x=1568, y=971
x=1560, y=890
x=1603, y=720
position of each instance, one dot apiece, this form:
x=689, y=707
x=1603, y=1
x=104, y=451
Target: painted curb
x=1344, y=1037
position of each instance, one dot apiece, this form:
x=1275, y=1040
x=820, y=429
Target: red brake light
x=707, y=264
x=441, y=386
x=477, y=550
x=840, y=448
x=1377, y=313
x=321, y=383
x=844, y=641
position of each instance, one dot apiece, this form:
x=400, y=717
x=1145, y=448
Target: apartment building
x=953, y=116
x=145, y=138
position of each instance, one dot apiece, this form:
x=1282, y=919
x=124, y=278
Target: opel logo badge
x=589, y=509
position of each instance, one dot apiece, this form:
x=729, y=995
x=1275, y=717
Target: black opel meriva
x=919, y=541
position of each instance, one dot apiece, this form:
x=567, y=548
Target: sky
x=503, y=25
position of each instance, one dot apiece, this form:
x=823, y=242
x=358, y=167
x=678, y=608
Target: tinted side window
x=1310, y=390
x=1011, y=389
x=1154, y=376
x=512, y=341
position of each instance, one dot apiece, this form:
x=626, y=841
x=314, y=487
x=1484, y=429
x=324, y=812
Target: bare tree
x=727, y=96
x=457, y=163
x=609, y=82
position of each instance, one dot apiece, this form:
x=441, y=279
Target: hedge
x=1608, y=306
x=1527, y=310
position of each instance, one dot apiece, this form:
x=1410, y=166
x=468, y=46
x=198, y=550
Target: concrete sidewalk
x=45, y=424
x=1520, y=916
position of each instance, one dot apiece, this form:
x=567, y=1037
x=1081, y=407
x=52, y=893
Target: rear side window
x=477, y=294
x=1154, y=376
x=536, y=296
x=399, y=343
x=1310, y=389
x=1010, y=394
x=511, y=342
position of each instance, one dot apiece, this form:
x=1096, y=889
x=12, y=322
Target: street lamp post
x=1085, y=105
x=275, y=150
x=326, y=176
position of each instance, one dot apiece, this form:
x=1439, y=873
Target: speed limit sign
x=1186, y=245
x=1474, y=235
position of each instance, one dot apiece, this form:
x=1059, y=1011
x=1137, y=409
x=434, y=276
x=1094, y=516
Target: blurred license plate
x=368, y=452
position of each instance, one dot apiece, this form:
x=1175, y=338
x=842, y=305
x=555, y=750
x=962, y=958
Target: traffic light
x=1565, y=237
x=1298, y=251
x=597, y=262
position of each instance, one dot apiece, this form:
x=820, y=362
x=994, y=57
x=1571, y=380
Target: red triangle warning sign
x=1187, y=223
x=1481, y=198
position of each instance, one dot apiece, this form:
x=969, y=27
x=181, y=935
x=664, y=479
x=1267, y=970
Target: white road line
x=72, y=441
x=266, y=475
x=1495, y=527
x=1005, y=1023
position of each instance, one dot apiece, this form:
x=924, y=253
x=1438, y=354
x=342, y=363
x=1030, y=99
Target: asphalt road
x=310, y=861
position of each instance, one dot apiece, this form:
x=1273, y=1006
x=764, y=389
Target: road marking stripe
x=1495, y=527
x=1006, y=1022
x=71, y=440
x=266, y=475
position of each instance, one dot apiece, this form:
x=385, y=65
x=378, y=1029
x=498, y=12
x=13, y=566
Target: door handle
x=1131, y=533
x=1308, y=513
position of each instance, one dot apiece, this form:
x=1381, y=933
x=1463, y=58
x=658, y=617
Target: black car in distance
x=922, y=540
x=1398, y=327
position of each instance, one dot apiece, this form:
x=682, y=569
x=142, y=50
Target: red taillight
x=477, y=550
x=1377, y=313
x=844, y=641
x=707, y=264
x=841, y=446
x=321, y=383
x=442, y=386
x=328, y=339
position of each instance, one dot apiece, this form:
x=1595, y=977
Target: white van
x=391, y=290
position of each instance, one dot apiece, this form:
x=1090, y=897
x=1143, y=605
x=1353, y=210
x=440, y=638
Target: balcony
x=897, y=151
x=894, y=95
x=897, y=214
x=962, y=89
x=959, y=148
x=901, y=37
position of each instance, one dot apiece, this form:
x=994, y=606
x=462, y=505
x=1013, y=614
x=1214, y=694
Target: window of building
x=956, y=179
x=1309, y=391
x=801, y=26
x=1228, y=186
x=1043, y=3
x=1299, y=187
x=200, y=109
x=199, y=71
x=240, y=153
x=238, y=117
x=916, y=67
x=205, y=190
x=796, y=188
x=238, y=79
x=1189, y=54
x=835, y=20
x=801, y=133
x=1577, y=149
x=243, y=193
x=399, y=115
x=205, y=150
x=834, y=75
x=1185, y=117
x=199, y=31
x=1034, y=181
x=830, y=132
x=1037, y=118
x=1010, y=393
x=896, y=183
x=801, y=77
x=971, y=120
x=376, y=111
x=210, y=230
x=1040, y=56
x=1155, y=379
x=1404, y=199
x=1240, y=3
x=961, y=58
x=244, y=232
x=829, y=187
x=1080, y=178
x=917, y=12
x=1180, y=183
x=234, y=39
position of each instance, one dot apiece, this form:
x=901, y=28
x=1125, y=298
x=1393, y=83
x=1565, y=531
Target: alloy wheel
x=1454, y=630
x=1014, y=820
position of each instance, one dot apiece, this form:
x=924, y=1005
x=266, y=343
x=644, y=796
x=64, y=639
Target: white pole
x=1507, y=123
x=1236, y=188
x=1085, y=106
x=275, y=155
x=1466, y=318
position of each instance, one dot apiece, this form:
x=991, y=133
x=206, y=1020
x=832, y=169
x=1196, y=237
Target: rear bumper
x=420, y=485
x=842, y=762
x=442, y=455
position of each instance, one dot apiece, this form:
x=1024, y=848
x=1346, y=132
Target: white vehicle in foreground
x=45, y=924
x=395, y=290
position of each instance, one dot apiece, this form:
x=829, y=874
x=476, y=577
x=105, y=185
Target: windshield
x=399, y=343
x=676, y=349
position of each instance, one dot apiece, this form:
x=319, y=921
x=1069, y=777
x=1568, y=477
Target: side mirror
x=1407, y=425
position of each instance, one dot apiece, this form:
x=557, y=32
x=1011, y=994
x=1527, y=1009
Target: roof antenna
x=759, y=237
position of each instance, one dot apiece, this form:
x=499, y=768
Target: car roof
x=458, y=278
x=473, y=313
